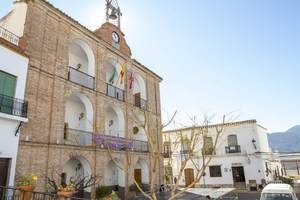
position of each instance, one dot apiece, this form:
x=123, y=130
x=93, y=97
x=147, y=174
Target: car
x=279, y=191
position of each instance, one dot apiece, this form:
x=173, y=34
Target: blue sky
x=216, y=56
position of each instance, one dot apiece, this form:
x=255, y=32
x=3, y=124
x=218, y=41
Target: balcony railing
x=10, y=193
x=140, y=102
x=115, y=92
x=81, y=78
x=140, y=146
x=13, y=106
x=78, y=137
x=233, y=149
x=9, y=36
x=120, y=144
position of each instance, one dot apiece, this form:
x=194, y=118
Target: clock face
x=115, y=37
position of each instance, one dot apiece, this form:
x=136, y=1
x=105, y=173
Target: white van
x=278, y=192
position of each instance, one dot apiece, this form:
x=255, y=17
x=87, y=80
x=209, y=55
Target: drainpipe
x=157, y=133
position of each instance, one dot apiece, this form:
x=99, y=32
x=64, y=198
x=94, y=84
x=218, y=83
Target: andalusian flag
x=113, y=74
x=122, y=73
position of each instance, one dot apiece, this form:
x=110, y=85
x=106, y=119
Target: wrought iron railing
x=233, y=149
x=12, y=106
x=9, y=36
x=140, y=146
x=81, y=78
x=78, y=137
x=140, y=102
x=115, y=92
x=10, y=193
x=115, y=143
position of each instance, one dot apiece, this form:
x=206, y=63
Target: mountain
x=288, y=141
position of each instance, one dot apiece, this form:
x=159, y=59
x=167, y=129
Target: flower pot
x=63, y=194
x=27, y=188
x=26, y=191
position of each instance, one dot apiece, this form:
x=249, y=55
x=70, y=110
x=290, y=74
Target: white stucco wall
x=15, y=64
x=16, y=20
x=9, y=144
x=250, y=157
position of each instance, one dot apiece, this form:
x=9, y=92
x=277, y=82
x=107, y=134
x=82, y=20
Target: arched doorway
x=75, y=170
x=114, y=176
x=141, y=173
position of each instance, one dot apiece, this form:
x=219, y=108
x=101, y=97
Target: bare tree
x=80, y=183
x=197, y=134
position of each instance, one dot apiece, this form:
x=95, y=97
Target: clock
x=115, y=37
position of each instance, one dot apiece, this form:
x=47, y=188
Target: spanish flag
x=123, y=73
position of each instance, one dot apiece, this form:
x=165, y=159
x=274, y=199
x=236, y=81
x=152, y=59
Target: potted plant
x=27, y=182
x=133, y=190
x=66, y=191
x=103, y=192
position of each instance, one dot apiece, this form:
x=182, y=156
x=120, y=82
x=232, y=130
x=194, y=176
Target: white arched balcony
x=81, y=64
x=140, y=139
x=139, y=92
x=78, y=120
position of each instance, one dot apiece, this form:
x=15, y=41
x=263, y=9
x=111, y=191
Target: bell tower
x=113, y=13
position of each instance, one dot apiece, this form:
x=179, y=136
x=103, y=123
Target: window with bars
x=215, y=171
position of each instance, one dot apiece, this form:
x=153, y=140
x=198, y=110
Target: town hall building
x=86, y=99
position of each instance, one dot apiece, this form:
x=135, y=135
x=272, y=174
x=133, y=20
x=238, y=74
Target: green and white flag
x=113, y=74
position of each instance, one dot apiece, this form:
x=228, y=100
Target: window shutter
x=7, y=84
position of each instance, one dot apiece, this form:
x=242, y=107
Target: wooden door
x=189, y=176
x=138, y=176
x=4, y=164
x=239, y=177
x=137, y=99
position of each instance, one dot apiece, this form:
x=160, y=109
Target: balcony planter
x=26, y=188
x=26, y=185
x=26, y=191
x=65, y=194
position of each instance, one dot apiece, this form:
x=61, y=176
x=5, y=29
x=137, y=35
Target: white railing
x=9, y=36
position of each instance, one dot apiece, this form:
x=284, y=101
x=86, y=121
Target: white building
x=242, y=156
x=13, y=109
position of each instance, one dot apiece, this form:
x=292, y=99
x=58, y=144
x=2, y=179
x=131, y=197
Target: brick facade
x=48, y=34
